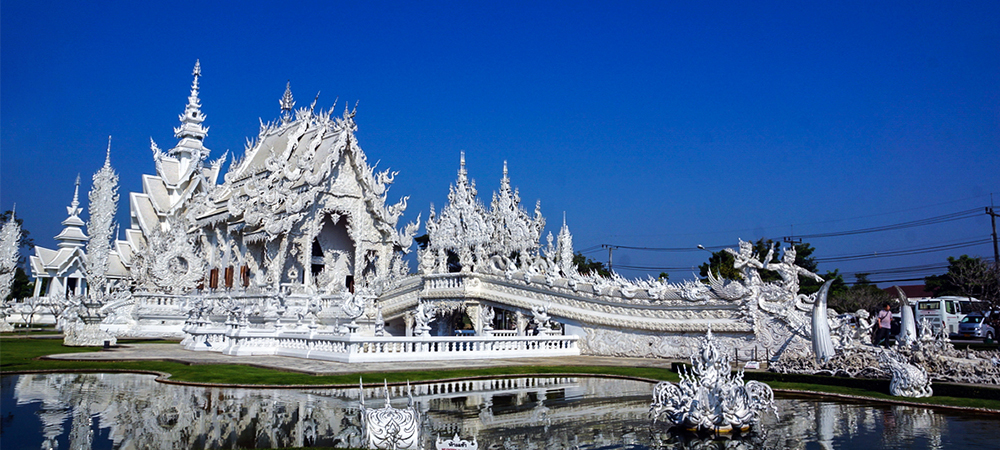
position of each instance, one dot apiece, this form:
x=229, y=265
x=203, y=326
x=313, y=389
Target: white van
x=944, y=311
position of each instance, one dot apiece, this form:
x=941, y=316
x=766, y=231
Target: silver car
x=974, y=325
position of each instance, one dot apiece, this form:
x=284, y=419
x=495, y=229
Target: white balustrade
x=314, y=345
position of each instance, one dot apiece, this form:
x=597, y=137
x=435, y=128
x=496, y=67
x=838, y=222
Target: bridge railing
x=353, y=348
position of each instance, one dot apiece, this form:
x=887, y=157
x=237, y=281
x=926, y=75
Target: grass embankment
x=21, y=354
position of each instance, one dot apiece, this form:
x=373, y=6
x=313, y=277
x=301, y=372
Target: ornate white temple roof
x=181, y=172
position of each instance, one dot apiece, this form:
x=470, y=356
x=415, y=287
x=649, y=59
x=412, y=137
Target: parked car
x=978, y=325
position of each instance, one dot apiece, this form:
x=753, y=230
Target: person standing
x=884, y=319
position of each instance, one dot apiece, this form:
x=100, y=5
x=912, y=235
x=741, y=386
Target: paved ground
x=174, y=352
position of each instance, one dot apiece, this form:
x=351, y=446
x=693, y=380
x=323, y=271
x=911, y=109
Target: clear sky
x=649, y=124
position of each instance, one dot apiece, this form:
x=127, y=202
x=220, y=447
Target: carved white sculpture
x=908, y=380
x=541, y=317
x=103, y=205
x=710, y=398
x=423, y=317
x=86, y=310
x=388, y=427
x=379, y=322
x=10, y=237
x=486, y=317
x=822, y=342
x=908, y=325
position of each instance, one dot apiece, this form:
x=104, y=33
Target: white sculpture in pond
x=388, y=427
x=908, y=380
x=710, y=398
x=908, y=325
x=822, y=342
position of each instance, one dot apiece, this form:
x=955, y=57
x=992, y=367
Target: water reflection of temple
x=131, y=411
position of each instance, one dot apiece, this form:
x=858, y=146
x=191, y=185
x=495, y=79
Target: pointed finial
x=564, y=218
x=74, y=207
x=76, y=192
x=313, y=105
x=461, y=166
x=196, y=73
x=505, y=168
x=107, y=157
x=386, y=387
x=287, y=102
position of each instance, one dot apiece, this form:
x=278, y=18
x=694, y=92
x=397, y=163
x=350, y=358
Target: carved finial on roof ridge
x=287, y=102
x=312, y=106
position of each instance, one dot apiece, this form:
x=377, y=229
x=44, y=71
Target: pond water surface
x=125, y=411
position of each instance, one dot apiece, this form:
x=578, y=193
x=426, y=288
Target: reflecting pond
x=134, y=411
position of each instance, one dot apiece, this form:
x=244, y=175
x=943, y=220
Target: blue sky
x=650, y=124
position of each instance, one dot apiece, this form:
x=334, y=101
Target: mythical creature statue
x=486, y=316
x=354, y=304
x=710, y=397
x=423, y=317
x=541, y=317
x=908, y=380
x=379, y=322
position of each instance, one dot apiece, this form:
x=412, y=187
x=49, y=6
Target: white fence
x=354, y=348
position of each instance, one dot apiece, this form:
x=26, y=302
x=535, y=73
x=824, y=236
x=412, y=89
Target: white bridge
x=354, y=348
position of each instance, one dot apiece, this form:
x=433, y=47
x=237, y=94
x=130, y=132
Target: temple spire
x=505, y=181
x=72, y=235
x=287, y=102
x=74, y=207
x=191, y=132
x=462, y=174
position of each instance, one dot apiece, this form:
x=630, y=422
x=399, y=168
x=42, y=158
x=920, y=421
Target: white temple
x=296, y=251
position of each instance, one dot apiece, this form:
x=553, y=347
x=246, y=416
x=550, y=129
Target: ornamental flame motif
x=388, y=427
x=710, y=397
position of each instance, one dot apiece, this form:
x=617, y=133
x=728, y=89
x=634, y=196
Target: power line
x=951, y=217
x=969, y=213
x=905, y=252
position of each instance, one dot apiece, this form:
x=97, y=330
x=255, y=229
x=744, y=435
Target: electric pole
x=993, y=218
x=610, y=248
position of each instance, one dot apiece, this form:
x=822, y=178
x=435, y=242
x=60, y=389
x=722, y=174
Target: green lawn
x=20, y=354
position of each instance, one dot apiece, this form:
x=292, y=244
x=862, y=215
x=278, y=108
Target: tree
x=664, y=276
x=586, y=265
x=863, y=295
x=968, y=277
x=22, y=287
